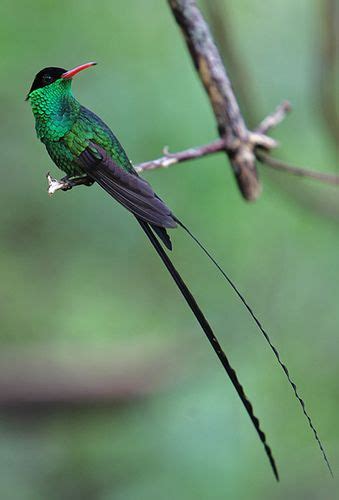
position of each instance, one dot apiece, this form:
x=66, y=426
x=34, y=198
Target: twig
x=267, y=160
x=275, y=118
x=219, y=145
x=182, y=156
x=328, y=68
x=214, y=147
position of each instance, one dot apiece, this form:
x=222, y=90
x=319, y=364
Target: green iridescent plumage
x=67, y=128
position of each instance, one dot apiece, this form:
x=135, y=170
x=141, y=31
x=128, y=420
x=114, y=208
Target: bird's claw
x=55, y=185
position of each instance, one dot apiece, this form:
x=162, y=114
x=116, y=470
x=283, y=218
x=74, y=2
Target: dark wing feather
x=133, y=192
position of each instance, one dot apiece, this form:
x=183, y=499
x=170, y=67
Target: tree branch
x=267, y=160
x=188, y=154
x=328, y=69
x=222, y=26
x=86, y=376
x=256, y=139
x=217, y=146
x=275, y=118
x=223, y=30
x=240, y=143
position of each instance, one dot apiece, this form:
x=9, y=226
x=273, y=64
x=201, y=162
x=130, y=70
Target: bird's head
x=53, y=105
x=50, y=80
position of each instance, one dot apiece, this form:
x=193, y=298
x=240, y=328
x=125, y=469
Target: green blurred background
x=108, y=389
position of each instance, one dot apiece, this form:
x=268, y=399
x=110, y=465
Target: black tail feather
x=212, y=339
x=163, y=235
x=265, y=334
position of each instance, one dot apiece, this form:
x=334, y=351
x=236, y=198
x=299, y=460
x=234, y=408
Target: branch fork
x=255, y=140
x=243, y=147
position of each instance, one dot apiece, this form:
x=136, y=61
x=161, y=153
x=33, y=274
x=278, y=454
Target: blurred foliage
x=77, y=271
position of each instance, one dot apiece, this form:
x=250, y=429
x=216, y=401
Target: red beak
x=71, y=72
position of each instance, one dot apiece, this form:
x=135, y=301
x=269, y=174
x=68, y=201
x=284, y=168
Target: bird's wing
x=133, y=192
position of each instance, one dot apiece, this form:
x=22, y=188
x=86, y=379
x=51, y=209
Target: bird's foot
x=56, y=185
x=77, y=180
x=67, y=183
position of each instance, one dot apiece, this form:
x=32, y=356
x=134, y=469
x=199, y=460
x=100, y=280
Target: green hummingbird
x=88, y=152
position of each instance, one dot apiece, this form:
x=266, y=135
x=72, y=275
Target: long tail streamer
x=265, y=334
x=211, y=337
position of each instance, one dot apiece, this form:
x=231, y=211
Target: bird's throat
x=55, y=110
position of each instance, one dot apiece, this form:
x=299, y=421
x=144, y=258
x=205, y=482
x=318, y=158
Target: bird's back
x=96, y=131
x=85, y=130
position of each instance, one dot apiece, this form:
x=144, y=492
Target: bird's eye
x=47, y=79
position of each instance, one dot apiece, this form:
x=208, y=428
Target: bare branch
x=242, y=145
x=275, y=118
x=328, y=68
x=114, y=377
x=267, y=160
x=231, y=125
x=217, y=146
x=222, y=25
x=207, y=61
x=182, y=156
x=223, y=31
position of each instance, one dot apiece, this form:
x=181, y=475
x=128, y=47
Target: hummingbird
x=88, y=152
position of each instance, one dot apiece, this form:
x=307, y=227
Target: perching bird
x=85, y=148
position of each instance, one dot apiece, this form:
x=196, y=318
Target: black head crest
x=45, y=77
